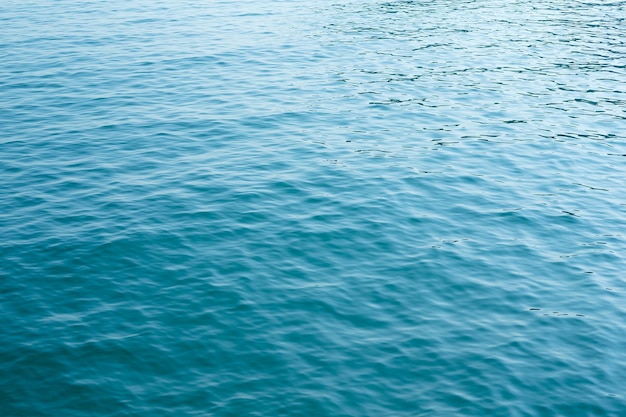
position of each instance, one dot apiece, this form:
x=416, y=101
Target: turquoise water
x=328, y=208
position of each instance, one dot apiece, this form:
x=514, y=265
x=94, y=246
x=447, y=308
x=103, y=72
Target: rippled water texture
x=313, y=208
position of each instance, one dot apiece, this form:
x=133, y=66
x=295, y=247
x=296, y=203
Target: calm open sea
x=336, y=208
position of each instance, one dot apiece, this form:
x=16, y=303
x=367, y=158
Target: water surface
x=330, y=208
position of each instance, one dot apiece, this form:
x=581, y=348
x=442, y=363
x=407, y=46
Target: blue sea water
x=313, y=208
